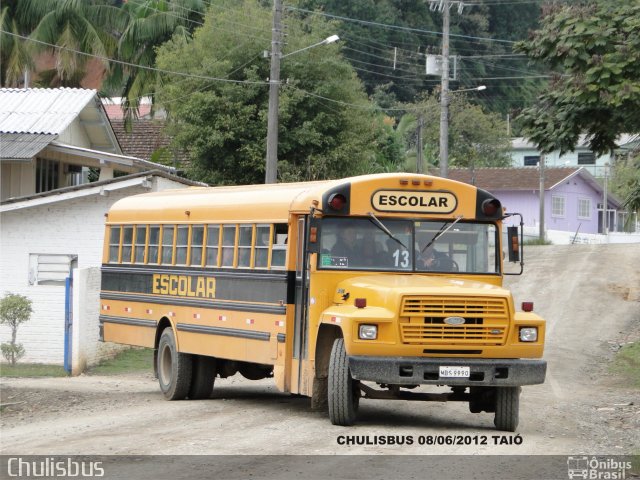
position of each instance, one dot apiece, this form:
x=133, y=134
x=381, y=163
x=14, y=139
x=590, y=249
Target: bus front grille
x=480, y=321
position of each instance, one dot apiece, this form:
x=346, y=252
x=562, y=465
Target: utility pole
x=541, y=234
x=271, y=171
x=444, y=93
x=420, y=157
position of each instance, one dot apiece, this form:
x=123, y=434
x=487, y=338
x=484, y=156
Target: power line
x=397, y=27
x=134, y=65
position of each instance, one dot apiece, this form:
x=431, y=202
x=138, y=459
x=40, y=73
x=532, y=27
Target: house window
x=50, y=269
x=586, y=158
x=557, y=206
x=584, y=208
x=531, y=160
x=47, y=175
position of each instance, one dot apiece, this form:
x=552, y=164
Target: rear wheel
x=507, y=408
x=203, y=376
x=343, y=390
x=174, y=368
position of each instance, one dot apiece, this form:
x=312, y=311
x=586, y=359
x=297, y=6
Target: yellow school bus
x=341, y=290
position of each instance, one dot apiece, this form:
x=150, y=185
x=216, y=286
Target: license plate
x=455, y=372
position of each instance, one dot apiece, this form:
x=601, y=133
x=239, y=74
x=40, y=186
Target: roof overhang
x=97, y=158
x=102, y=188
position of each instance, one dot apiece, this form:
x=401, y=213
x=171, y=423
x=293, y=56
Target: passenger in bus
x=346, y=244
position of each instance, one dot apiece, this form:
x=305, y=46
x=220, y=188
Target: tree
x=14, y=310
x=149, y=24
x=595, y=49
x=476, y=138
x=327, y=127
x=65, y=28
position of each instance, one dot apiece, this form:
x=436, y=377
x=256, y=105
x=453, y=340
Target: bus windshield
x=408, y=245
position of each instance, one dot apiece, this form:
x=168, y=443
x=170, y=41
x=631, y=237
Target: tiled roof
x=145, y=137
x=526, y=178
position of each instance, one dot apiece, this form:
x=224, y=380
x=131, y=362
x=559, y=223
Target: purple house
x=573, y=198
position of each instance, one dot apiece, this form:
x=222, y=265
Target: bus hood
x=384, y=290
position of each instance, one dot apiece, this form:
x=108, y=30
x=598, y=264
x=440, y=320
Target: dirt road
x=590, y=296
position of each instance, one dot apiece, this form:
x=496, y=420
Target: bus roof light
x=490, y=207
x=527, y=306
x=415, y=182
x=360, y=302
x=337, y=201
x=428, y=183
x=404, y=181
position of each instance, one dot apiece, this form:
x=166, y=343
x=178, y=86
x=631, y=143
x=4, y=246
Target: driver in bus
x=346, y=244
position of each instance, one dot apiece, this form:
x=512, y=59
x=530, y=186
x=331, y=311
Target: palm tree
x=14, y=55
x=73, y=31
x=149, y=24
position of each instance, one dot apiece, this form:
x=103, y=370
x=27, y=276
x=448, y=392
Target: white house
x=52, y=216
x=54, y=138
x=525, y=154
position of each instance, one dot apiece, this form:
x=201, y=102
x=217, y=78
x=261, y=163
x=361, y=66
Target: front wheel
x=343, y=390
x=174, y=368
x=507, y=408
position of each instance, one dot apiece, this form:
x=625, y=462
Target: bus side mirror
x=514, y=246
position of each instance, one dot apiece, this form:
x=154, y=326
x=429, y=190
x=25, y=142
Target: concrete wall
x=73, y=227
x=86, y=348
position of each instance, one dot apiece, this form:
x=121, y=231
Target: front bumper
x=425, y=371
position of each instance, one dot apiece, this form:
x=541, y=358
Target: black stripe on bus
x=190, y=302
x=206, y=271
x=137, y=322
x=229, y=285
x=225, y=332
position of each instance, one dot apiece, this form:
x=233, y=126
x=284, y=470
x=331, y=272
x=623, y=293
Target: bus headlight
x=528, y=334
x=368, y=332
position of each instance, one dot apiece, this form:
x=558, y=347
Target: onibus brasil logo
x=597, y=468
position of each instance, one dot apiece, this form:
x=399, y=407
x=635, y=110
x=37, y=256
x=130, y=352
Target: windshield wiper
x=441, y=232
x=382, y=227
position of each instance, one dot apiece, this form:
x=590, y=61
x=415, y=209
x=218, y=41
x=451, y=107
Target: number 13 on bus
x=341, y=290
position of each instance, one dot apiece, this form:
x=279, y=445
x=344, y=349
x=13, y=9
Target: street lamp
x=271, y=171
x=444, y=125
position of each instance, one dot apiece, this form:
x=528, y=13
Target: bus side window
x=197, y=238
x=154, y=244
x=245, y=242
x=182, y=244
x=279, y=248
x=114, y=244
x=263, y=233
x=167, y=244
x=213, y=239
x=141, y=242
x=127, y=244
x=228, y=244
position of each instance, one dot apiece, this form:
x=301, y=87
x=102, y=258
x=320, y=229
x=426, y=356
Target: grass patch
x=31, y=370
x=131, y=360
x=626, y=364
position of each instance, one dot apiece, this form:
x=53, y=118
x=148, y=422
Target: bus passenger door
x=301, y=324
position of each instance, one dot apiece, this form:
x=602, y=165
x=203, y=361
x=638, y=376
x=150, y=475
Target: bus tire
x=507, y=408
x=203, y=376
x=343, y=390
x=174, y=368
